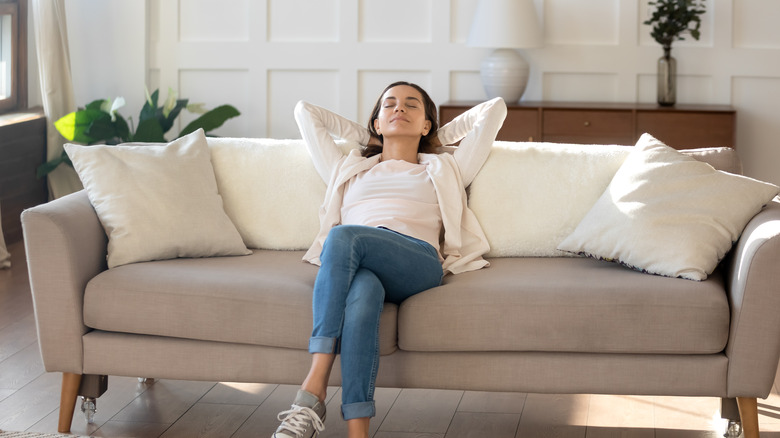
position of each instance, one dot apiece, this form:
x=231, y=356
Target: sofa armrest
x=753, y=281
x=66, y=247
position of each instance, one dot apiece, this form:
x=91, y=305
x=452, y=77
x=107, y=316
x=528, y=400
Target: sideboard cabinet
x=679, y=126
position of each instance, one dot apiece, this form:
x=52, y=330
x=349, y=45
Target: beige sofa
x=547, y=323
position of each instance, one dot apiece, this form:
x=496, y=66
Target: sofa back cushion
x=270, y=189
x=528, y=196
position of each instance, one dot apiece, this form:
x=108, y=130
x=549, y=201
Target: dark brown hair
x=431, y=114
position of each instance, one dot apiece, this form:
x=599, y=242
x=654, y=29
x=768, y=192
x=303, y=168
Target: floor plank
x=164, y=402
x=30, y=404
x=688, y=413
x=419, y=410
x=131, y=429
x=496, y=402
x=21, y=368
x=17, y=336
x=382, y=434
x=769, y=409
x=483, y=424
x=554, y=416
x=239, y=393
x=210, y=420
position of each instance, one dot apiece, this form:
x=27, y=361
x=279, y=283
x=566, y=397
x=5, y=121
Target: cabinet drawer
x=579, y=123
x=688, y=130
x=520, y=125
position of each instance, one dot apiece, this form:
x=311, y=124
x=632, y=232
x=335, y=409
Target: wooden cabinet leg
x=748, y=411
x=70, y=391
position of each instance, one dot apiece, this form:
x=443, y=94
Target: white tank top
x=397, y=195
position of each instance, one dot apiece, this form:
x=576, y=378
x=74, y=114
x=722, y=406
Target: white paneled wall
x=336, y=53
x=264, y=55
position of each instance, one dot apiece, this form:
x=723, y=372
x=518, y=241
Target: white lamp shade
x=505, y=24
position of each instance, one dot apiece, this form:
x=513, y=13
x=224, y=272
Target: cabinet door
x=588, y=126
x=688, y=130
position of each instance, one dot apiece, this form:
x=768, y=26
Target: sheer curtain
x=5, y=258
x=51, y=42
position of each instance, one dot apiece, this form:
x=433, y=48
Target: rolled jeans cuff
x=321, y=344
x=358, y=410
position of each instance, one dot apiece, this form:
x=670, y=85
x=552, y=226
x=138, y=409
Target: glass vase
x=667, y=78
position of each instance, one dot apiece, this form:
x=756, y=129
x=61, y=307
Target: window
x=13, y=56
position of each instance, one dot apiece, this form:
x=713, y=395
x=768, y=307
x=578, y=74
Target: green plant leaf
x=122, y=130
x=101, y=129
x=73, y=126
x=49, y=166
x=149, y=110
x=95, y=104
x=211, y=120
x=166, y=123
x=671, y=19
x=149, y=130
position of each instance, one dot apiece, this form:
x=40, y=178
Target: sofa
x=551, y=314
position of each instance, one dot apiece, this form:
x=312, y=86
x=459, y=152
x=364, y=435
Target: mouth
x=397, y=119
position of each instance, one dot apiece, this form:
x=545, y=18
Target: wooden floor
x=29, y=399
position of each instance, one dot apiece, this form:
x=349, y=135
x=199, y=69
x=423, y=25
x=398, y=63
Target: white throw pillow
x=157, y=201
x=529, y=196
x=271, y=189
x=668, y=214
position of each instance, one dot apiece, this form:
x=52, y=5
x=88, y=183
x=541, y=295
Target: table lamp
x=505, y=25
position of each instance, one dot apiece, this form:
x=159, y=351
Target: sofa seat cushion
x=566, y=305
x=261, y=299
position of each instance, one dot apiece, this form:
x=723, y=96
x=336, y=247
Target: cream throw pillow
x=668, y=214
x=157, y=201
x=529, y=197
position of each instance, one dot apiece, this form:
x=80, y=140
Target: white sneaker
x=304, y=420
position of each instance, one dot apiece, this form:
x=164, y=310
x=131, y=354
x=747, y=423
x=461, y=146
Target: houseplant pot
x=667, y=78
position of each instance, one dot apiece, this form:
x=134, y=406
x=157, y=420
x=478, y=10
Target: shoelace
x=298, y=418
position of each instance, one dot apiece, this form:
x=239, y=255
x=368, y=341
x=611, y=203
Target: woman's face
x=402, y=113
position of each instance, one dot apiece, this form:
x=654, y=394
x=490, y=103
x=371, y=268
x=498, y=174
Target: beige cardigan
x=463, y=242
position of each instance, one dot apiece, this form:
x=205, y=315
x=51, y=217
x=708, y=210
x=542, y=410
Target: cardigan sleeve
x=477, y=128
x=318, y=128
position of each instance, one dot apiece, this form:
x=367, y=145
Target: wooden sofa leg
x=748, y=411
x=70, y=391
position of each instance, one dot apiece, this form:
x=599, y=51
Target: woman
x=394, y=220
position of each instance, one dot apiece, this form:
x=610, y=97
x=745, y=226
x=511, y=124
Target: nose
x=398, y=108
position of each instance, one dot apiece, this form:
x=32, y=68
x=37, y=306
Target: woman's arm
x=477, y=128
x=318, y=126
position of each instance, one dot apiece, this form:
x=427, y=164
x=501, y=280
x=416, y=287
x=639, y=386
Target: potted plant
x=99, y=122
x=671, y=19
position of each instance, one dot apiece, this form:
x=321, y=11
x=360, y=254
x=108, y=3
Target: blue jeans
x=362, y=267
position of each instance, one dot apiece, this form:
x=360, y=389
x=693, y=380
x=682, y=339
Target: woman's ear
x=376, y=126
x=427, y=128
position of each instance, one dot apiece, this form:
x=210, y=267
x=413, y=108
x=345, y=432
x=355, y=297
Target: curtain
x=51, y=43
x=5, y=258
